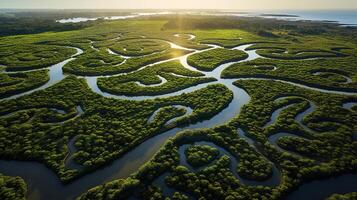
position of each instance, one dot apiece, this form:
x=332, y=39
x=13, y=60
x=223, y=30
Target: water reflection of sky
x=340, y=16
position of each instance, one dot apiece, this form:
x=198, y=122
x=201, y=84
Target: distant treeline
x=18, y=26
x=16, y=22
x=62, y=14
x=257, y=25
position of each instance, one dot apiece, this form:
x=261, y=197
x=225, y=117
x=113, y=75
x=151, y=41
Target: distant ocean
x=343, y=17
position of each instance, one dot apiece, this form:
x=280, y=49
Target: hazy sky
x=194, y=4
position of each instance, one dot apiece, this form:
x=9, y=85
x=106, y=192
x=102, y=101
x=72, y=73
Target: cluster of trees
x=348, y=196
x=126, y=84
x=32, y=22
x=258, y=25
x=139, y=47
x=12, y=84
x=327, y=146
x=108, y=128
x=301, y=71
x=93, y=59
x=329, y=106
x=303, y=48
x=332, y=77
x=253, y=166
x=130, y=64
x=118, y=189
x=32, y=56
x=211, y=183
x=217, y=188
x=209, y=60
x=45, y=115
x=165, y=114
x=19, y=22
x=200, y=155
x=27, y=25
x=154, y=193
x=33, y=136
x=217, y=181
x=12, y=188
x=131, y=129
x=298, y=55
x=59, y=14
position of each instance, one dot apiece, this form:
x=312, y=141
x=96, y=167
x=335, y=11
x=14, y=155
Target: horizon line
x=203, y=9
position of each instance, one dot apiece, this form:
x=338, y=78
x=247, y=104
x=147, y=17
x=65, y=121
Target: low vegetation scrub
x=211, y=59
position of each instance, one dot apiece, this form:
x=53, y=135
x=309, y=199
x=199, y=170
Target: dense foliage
x=18, y=22
x=139, y=47
x=217, y=180
x=209, y=60
x=83, y=67
x=127, y=84
x=22, y=25
x=264, y=27
x=26, y=57
x=198, y=156
x=349, y=196
x=11, y=84
x=12, y=188
x=113, y=142
x=336, y=72
x=71, y=121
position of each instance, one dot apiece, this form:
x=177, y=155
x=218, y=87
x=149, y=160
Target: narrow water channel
x=44, y=184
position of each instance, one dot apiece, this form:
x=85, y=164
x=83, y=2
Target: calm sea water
x=341, y=16
x=344, y=17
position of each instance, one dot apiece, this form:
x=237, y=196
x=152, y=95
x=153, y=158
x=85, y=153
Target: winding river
x=44, y=184
x=347, y=79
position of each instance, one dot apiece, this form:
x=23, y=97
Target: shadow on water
x=322, y=189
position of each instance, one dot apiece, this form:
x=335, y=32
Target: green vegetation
x=200, y=155
x=139, y=47
x=263, y=105
x=301, y=71
x=51, y=141
x=217, y=181
x=349, y=196
x=209, y=183
x=302, y=48
x=11, y=84
x=12, y=188
x=119, y=189
x=32, y=56
x=259, y=26
x=125, y=84
x=209, y=60
x=205, y=103
x=92, y=59
x=79, y=67
x=166, y=113
x=25, y=25
x=39, y=126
